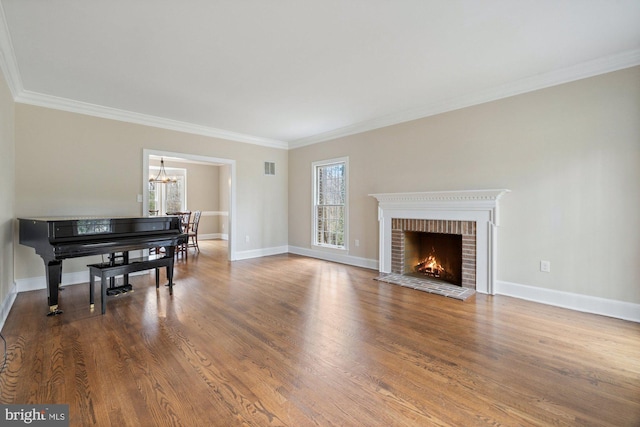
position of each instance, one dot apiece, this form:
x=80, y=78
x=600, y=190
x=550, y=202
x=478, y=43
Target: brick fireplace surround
x=465, y=228
x=471, y=213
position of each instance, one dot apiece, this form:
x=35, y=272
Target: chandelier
x=162, y=176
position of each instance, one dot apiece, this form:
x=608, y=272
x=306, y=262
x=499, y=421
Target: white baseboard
x=5, y=308
x=588, y=304
x=330, y=256
x=213, y=236
x=257, y=253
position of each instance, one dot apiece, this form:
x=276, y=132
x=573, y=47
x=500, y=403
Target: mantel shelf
x=441, y=196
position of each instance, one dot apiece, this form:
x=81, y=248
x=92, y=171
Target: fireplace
x=436, y=256
x=453, y=240
x=470, y=216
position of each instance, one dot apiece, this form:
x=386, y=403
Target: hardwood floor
x=292, y=341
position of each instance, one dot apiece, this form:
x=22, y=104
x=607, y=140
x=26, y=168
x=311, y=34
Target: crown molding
x=8, y=62
x=577, y=72
x=58, y=103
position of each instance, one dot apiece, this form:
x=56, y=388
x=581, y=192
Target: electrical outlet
x=246, y=238
x=357, y=242
x=545, y=266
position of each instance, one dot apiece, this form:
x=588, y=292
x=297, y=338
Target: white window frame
x=314, y=195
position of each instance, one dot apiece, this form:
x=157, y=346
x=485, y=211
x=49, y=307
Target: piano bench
x=108, y=270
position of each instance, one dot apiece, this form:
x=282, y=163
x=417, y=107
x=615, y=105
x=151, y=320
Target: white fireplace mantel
x=480, y=206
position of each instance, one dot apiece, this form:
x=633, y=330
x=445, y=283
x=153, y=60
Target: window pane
x=175, y=196
x=170, y=196
x=153, y=199
x=330, y=196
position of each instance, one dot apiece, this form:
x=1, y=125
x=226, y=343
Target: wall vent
x=269, y=168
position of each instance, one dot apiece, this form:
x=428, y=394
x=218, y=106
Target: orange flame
x=431, y=266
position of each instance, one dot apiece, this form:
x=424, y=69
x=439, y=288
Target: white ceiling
x=287, y=73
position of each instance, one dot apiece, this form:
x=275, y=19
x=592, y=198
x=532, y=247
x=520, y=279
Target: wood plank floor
x=292, y=341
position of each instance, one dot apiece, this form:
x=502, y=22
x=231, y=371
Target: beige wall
x=72, y=164
x=203, y=194
x=7, y=194
x=570, y=155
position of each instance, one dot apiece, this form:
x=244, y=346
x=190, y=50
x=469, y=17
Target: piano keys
x=56, y=239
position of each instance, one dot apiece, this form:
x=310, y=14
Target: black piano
x=55, y=239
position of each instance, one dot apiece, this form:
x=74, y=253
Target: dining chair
x=192, y=242
x=185, y=220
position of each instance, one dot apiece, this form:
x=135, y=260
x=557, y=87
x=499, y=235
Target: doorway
x=229, y=185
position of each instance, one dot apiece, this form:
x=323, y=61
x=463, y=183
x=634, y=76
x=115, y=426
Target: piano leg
x=54, y=277
x=170, y=252
x=125, y=281
x=92, y=284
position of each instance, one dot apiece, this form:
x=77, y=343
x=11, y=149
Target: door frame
x=146, y=152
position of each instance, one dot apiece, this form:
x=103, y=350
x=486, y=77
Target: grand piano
x=56, y=239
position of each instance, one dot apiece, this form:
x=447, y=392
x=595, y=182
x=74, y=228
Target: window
x=330, y=203
x=174, y=196
x=169, y=197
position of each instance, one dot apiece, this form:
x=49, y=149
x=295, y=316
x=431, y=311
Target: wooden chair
x=192, y=241
x=185, y=222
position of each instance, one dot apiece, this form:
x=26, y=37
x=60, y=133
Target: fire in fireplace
x=434, y=256
x=431, y=267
